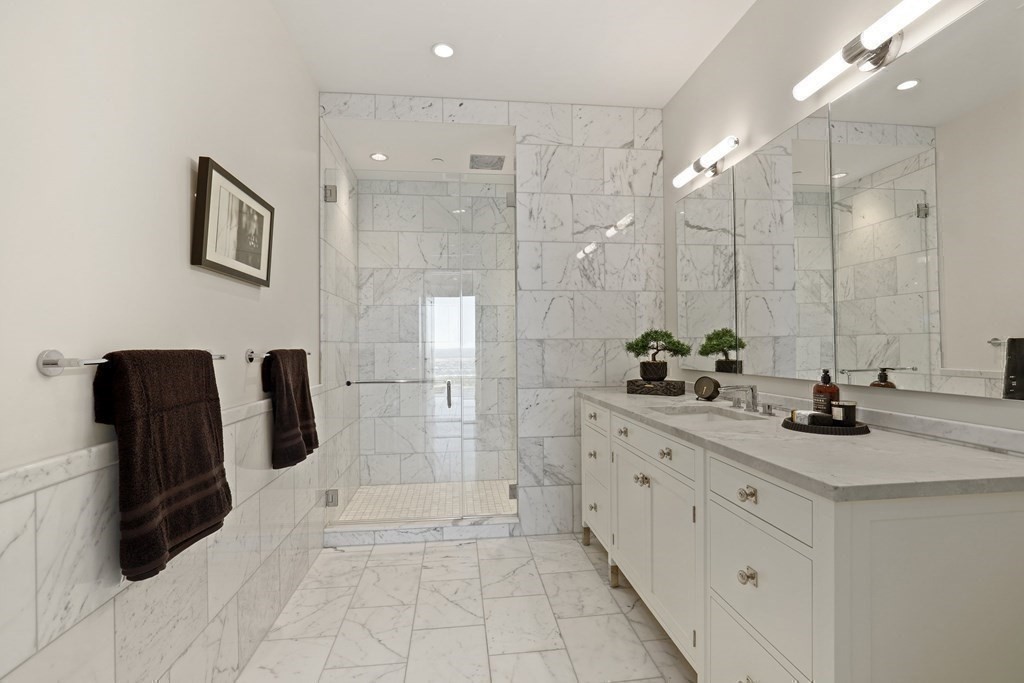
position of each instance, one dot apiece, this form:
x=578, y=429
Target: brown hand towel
x=166, y=411
x=286, y=378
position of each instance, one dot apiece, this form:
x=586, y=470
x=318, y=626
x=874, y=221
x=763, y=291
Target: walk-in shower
x=435, y=373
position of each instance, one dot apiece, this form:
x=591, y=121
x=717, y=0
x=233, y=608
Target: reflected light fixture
x=379, y=156
x=878, y=45
x=907, y=85
x=840, y=174
x=443, y=50
x=706, y=161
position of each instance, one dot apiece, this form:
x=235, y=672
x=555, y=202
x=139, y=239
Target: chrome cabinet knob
x=592, y=507
x=665, y=454
x=747, y=576
x=636, y=478
x=623, y=431
x=592, y=454
x=747, y=493
x=591, y=416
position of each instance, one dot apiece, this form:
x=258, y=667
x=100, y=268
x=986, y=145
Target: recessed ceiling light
x=841, y=174
x=907, y=85
x=379, y=156
x=458, y=211
x=443, y=50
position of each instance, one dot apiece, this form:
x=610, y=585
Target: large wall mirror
x=881, y=232
x=928, y=169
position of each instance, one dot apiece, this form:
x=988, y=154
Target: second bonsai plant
x=723, y=341
x=651, y=343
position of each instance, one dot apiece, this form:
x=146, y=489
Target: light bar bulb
x=611, y=232
x=589, y=248
x=817, y=79
x=688, y=174
x=580, y=255
x=624, y=221
x=894, y=21
x=718, y=152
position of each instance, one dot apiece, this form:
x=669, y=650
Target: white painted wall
x=744, y=88
x=980, y=175
x=107, y=106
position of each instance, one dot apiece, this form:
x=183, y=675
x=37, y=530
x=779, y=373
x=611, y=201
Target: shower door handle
x=448, y=391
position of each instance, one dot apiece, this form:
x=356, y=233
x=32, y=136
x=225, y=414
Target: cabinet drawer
x=655, y=445
x=736, y=656
x=596, y=454
x=783, y=509
x=595, y=416
x=597, y=506
x=765, y=581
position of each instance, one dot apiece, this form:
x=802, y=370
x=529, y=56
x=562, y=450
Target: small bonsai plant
x=723, y=341
x=651, y=343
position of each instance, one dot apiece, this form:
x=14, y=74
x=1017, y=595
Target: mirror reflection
x=926, y=167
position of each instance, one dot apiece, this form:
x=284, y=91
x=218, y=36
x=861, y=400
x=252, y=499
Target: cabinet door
x=633, y=519
x=674, y=555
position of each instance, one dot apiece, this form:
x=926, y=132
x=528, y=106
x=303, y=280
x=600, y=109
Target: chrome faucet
x=752, y=388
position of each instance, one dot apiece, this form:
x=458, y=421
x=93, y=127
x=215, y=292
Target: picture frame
x=232, y=227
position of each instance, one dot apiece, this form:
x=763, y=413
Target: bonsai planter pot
x=730, y=366
x=653, y=371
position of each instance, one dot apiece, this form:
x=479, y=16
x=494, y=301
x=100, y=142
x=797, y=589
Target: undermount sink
x=705, y=414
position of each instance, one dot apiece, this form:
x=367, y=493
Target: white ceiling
x=612, y=52
x=411, y=146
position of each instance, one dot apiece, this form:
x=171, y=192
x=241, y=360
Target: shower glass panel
x=436, y=332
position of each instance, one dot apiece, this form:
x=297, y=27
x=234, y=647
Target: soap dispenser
x=824, y=393
x=883, y=379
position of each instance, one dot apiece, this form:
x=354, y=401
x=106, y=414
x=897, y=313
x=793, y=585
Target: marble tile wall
x=66, y=614
x=887, y=269
x=426, y=246
x=579, y=171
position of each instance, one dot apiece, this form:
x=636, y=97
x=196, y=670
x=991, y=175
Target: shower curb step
x=497, y=526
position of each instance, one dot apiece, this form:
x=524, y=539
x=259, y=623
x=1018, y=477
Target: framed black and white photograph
x=233, y=227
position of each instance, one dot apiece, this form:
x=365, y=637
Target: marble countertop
x=875, y=466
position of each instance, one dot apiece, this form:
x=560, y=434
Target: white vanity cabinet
x=757, y=578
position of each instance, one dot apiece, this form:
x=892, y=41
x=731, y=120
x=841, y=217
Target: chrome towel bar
x=52, y=362
x=389, y=381
x=250, y=355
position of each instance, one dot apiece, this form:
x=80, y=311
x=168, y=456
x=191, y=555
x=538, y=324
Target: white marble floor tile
x=377, y=635
x=394, y=554
x=559, y=556
x=312, y=613
x=523, y=624
x=450, y=560
x=502, y=548
x=512, y=577
x=451, y=655
x=336, y=568
x=383, y=586
x=670, y=661
x=604, y=648
x=297, y=660
x=643, y=622
x=578, y=594
x=382, y=673
x=550, y=666
x=444, y=604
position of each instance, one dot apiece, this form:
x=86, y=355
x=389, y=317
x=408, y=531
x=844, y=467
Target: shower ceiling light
x=907, y=85
x=706, y=160
x=443, y=50
x=840, y=174
x=379, y=156
x=875, y=47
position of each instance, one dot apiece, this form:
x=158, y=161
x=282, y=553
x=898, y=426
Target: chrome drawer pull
x=623, y=431
x=748, y=576
x=665, y=454
x=592, y=454
x=748, y=493
x=591, y=416
x=593, y=507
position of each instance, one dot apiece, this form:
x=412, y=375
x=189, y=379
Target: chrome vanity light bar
x=706, y=161
x=876, y=46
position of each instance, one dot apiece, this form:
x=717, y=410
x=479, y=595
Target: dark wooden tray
x=861, y=428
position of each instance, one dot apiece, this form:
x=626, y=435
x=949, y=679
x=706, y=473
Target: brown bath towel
x=166, y=411
x=286, y=378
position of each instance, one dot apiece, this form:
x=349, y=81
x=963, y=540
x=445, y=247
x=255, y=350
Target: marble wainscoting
x=66, y=613
x=580, y=170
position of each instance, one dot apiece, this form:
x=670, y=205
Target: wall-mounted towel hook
x=250, y=355
x=52, y=362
